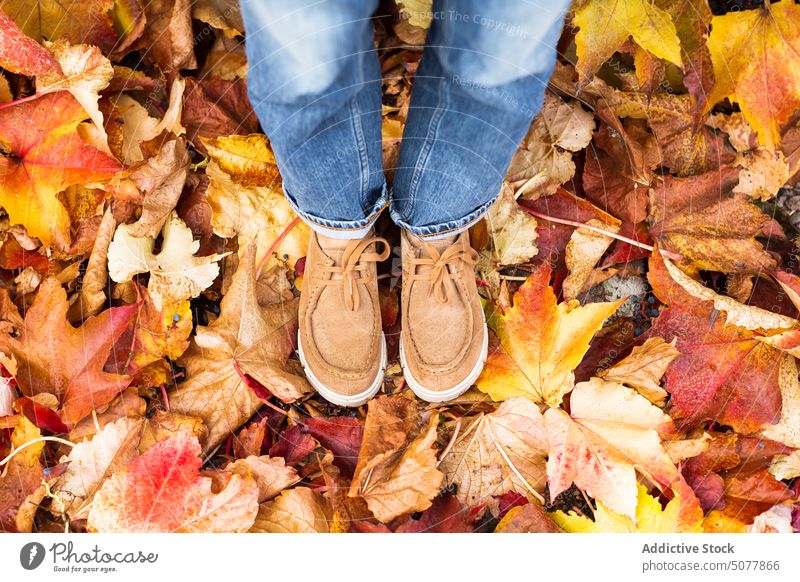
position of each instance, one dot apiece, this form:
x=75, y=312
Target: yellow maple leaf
x=756, y=59
x=246, y=198
x=605, y=25
x=542, y=342
x=650, y=518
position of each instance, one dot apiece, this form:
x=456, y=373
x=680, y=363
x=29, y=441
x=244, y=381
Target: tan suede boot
x=340, y=338
x=443, y=343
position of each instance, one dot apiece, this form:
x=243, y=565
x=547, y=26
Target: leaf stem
x=274, y=245
x=21, y=100
x=34, y=441
x=630, y=241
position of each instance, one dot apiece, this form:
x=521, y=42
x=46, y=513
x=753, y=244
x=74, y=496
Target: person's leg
x=482, y=78
x=314, y=82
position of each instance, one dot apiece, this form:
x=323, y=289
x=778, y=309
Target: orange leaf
x=542, y=342
x=163, y=491
x=756, y=58
x=56, y=358
x=41, y=154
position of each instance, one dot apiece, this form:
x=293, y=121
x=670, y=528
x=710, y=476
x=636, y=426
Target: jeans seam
x=375, y=211
x=361, y=144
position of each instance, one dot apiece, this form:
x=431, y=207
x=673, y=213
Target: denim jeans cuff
x=444, y=229
x=342, y=229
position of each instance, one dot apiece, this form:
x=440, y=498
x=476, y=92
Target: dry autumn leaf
x=756, y=58
x=650, y=518
x=542, y=342
x=175, y=273
x=36, y=165
x=605, y=26
x=246, y=199
x=246, y=339
x=500, y=452
x=164, y=491
x=544, y=161
x=609, y=434
x=56, y=358
x=396, y=472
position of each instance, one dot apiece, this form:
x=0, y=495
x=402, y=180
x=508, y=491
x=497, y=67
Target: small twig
x=165, y=397
x=274, y=245
x=41, y=439
x=452, y=442
x=630, y=241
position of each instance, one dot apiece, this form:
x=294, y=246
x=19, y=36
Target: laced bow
x=439, y=263
x=355, y=260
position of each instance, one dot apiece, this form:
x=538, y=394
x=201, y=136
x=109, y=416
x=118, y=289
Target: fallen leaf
x=542, y=342
x=92, y=296
x=584, y=249
x=175, y=273
x=298, y=510
x=762, y=174
x=161, y=179
x=21, y=475
x=270, y=474
x=544, y=160
x=696, y=218
x=396, y=472
x=499, y=452
x=91, y=462
x=649, y=518
x=604, y=28
x=59, y=359
x=643, y=368
x=530, y=518
x=246, y=199
x=245, y=339
x=164, y=491
x=22, y=55
x=38, y=164
x=167, y=40
x=724, y=373
x=87, y=21
x=609, y=434
x=756, y=59
x=512, y=231
x=84, y=72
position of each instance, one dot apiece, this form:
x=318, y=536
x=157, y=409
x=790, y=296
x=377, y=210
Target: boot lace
x=355, y=259
x=440, y=263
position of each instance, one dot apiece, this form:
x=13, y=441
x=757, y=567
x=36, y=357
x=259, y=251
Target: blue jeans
x=315, y=84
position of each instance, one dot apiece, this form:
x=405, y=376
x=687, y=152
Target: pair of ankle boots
x=443, y=342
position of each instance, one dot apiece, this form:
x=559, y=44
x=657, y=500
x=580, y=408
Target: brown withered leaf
x=499, y=452
x=697, y=218
x=643, y=367
x=396, y=472
x=245, y=339
x=167, y=40
x=160, y=178
x=544, y=161
x=217, y=107
x=271, y=474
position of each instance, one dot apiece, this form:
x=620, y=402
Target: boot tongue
x=440, y=245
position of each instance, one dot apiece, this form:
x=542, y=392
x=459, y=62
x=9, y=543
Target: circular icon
x=31, y=555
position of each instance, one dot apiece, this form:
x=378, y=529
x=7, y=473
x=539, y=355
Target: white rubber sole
x=343, y=399
x=443, y=395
